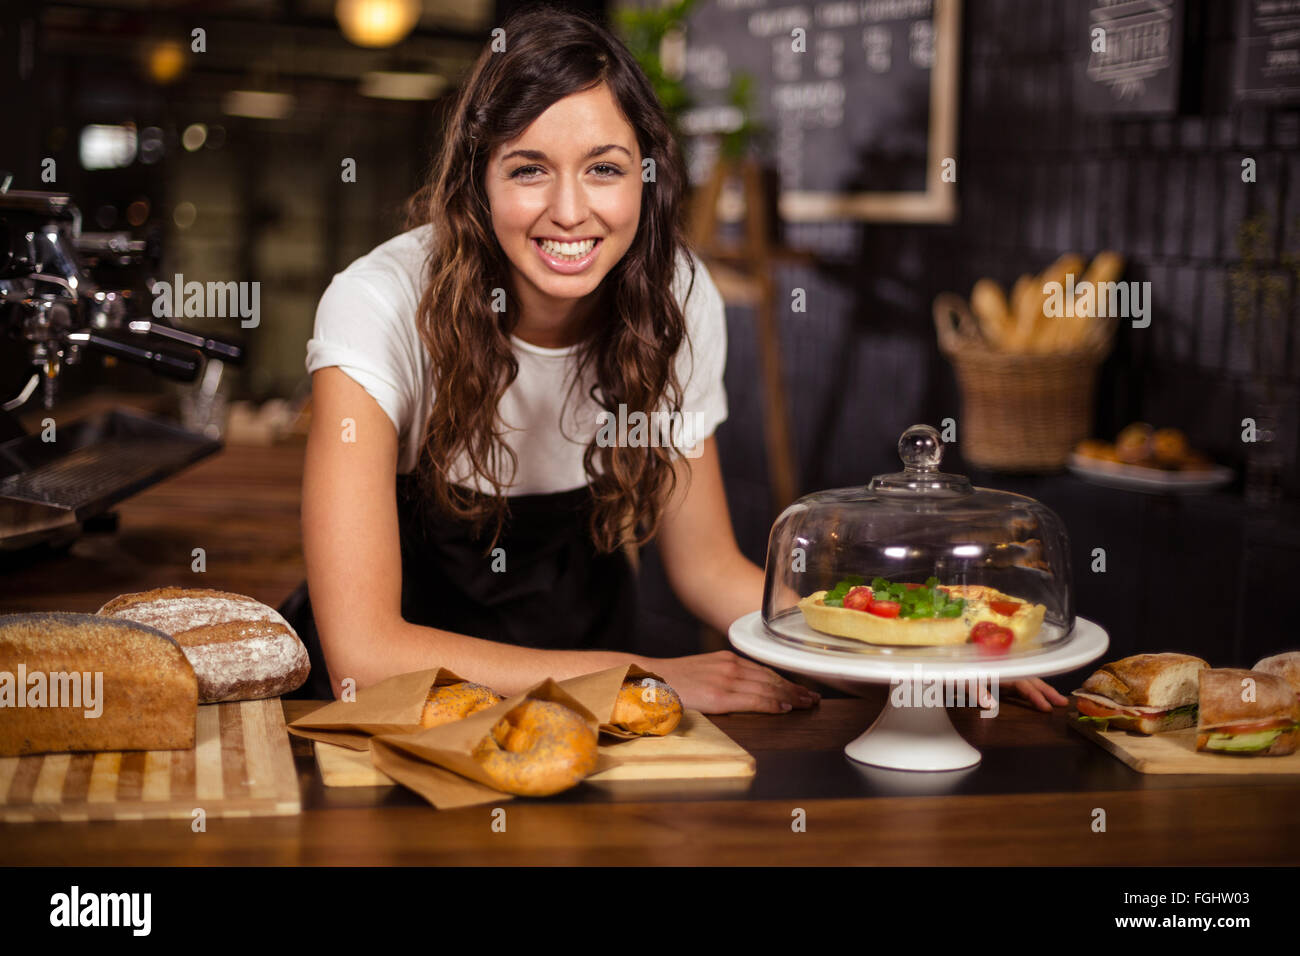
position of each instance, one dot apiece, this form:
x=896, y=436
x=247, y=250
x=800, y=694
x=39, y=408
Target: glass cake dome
x=942, y=569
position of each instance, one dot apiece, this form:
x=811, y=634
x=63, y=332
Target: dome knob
x=920, y=448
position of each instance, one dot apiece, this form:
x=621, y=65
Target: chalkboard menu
x=1132, y=54
x=1268, y=50
x=857, y=98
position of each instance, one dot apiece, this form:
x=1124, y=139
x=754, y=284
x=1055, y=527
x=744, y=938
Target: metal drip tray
x=92, y=465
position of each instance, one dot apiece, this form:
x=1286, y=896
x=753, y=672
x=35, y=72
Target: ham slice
x=1136, y=710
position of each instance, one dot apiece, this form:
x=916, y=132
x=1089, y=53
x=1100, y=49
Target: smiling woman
x=544, y=285
x=548, y=140
x=610, y=200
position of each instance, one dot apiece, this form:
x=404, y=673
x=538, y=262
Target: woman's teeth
x=568, y=250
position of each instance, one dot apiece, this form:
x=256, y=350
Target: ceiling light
x=107, y=147
x=194, y=136
x=401, y=86
x=376, y=23
x=257, y=104
x=166, y=61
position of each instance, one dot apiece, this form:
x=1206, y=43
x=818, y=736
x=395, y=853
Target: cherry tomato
x=1006, y=608
x=911, y=587
x=993, y=638
x=858, y=599
x=885, y=608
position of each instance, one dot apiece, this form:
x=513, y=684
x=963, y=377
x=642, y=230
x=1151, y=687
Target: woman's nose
x=569, y=204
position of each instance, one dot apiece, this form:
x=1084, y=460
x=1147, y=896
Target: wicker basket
x=1020, y=411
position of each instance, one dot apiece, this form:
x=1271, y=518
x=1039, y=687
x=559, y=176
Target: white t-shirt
x=366, y=325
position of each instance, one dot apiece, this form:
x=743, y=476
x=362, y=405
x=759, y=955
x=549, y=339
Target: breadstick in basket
x=989, y=304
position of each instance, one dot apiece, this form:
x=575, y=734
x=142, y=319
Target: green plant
x=741, y=96
x=643, y=29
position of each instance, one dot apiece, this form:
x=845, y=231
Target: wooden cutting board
x=696, y=749
x=1175, y=752
x=241, y=766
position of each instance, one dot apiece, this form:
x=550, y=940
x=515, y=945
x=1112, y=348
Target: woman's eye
x=523, y=172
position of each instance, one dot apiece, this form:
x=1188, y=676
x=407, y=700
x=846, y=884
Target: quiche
x=929, y=614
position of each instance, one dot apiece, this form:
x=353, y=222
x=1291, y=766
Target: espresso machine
x=57, y=312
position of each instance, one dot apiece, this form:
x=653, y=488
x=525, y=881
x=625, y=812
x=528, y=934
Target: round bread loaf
x=538, y=749
x=240, y=648
x=451, y=702
x=647, y=707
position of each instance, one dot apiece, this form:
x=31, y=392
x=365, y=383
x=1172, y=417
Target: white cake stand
x=906, y=736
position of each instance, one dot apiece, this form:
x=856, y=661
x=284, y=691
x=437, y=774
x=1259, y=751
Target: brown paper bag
x=598, y=692
x=438, y=763
x=392, y=706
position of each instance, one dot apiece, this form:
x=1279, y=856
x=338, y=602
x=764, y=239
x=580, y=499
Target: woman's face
x=573, y=176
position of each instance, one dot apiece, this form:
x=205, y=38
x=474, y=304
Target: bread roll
x=1096, y=449
x=1267, y=725
x=1149, y=680
x=1133, y=444
x=1169, y=447
x=1285, y=666
x=89, y=683
x=538, y=749
x=240, y=648
x=450, y=702
x=647, y=707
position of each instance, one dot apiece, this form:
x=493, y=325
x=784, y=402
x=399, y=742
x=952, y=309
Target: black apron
x=556, y=591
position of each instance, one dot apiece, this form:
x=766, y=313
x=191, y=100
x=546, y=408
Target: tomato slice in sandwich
x=1090, y=708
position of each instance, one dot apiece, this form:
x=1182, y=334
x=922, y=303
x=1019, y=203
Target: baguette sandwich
x=1285, y=666
x=1240, y=717
x=1146, y=693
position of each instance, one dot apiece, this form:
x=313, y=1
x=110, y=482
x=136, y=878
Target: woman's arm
x=717, y=584
x=354, y=574
x=709, y=575
x=354, y=566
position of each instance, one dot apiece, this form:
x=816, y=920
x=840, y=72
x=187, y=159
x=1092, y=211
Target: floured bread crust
x=924, y=632
x=240, y=648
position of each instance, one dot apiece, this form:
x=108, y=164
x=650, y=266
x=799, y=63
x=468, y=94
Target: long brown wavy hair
x=550, y=53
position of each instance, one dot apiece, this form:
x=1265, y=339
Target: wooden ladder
x=743, y=274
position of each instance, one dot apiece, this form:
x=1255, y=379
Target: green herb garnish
x=926, y=601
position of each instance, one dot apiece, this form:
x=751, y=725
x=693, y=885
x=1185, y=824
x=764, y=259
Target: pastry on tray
x=928, y=614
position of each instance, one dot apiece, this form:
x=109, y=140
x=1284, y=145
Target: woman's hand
x=1042, y=695
x=723, y=682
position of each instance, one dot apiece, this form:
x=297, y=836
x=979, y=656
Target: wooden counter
x=241, y=506
x=1031, y=801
